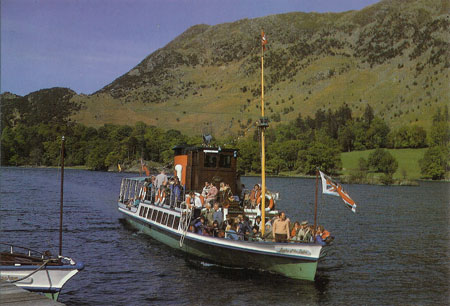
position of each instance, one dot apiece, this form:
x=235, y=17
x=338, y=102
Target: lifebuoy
x=160, y=197
x=143, y=192
x=271, y=202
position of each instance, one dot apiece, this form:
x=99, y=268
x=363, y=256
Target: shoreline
x=156, y=170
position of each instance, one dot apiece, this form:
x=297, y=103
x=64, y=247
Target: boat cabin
x=196, y=165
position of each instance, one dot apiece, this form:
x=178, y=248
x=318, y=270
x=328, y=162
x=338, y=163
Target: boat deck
x=11, y=295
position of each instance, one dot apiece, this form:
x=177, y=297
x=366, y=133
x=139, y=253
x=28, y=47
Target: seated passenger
x=190, y=199
x=257, y=222
x=303, y=232
x=295, y=229
x=245, y=228
x=231, y=233
x=326, y=236
x=199, y=225
x=133, y=202
x=215, y=229
x=318, y=237
x=255, y=194
x=268, y=230
x=205, y=190
x=217, y=214
x=255, y=234
x=212, y=194
x=208, y=213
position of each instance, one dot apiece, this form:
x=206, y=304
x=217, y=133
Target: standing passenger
x=281, y=228
x=161, y=179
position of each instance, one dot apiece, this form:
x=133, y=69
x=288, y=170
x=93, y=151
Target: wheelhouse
x=196, y=165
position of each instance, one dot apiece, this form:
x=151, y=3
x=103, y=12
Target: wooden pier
x=11, y=294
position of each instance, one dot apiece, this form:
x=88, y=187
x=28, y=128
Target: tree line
x=33, y=138
x=307, y=143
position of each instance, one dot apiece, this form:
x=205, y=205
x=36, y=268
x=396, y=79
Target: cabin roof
x=183, y=149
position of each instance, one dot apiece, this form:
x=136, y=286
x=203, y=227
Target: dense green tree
x=323, y=154
x=97, y=155
x=377, y=134
x=407, y=137
x=368, y=115
x=249, y=155
x=346, y=137
x=434, y=162
x=380, y=160
x=439, y=134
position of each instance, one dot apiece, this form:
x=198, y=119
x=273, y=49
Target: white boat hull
x=50, y=279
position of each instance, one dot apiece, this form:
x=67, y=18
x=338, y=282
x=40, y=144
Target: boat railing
x=135, y=188
x=29, y=252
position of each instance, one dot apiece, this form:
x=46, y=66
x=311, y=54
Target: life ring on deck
x=143, y=192
x=160, y=197
x=271, y=201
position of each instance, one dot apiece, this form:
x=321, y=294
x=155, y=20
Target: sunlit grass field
x=408, y=161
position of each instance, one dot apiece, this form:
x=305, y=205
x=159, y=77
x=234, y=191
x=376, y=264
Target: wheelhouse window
x=225, y=161
x=210, y=160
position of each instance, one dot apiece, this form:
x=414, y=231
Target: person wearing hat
x=303, y=231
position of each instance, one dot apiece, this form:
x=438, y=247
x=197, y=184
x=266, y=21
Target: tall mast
x=62, y=197
x=315, y=204
x=263, y=124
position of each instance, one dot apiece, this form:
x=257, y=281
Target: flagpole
x=262, y=125
x=315, y=203
x=61, y=197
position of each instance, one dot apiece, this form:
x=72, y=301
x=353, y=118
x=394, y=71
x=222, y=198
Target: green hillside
x=392, y=55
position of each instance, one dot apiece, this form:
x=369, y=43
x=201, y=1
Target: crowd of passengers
x=278, y=229
x=209, y=207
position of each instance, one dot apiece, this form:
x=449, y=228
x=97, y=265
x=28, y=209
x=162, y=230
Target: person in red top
x=324, y=233
x=295, y=229
x=255, y=195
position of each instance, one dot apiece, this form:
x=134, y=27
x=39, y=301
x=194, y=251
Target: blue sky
x=86, y=44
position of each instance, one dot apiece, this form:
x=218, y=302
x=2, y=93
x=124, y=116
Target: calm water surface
x=393, y=251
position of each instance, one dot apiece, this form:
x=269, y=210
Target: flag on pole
x=263, y=40
x=332, y=188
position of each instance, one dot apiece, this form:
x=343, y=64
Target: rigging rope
x=38, y=269
x=186, y=220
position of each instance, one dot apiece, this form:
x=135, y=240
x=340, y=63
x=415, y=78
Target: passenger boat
x=170, y=220
x=36, y=271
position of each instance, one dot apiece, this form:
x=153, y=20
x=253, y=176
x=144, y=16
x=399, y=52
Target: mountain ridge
x=392, y=55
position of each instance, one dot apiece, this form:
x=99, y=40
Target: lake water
x=393, y=251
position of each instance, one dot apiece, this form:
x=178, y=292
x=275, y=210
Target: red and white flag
x=263, y=40
x=332, y=188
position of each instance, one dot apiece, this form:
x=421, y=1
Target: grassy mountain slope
x=392, y=55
